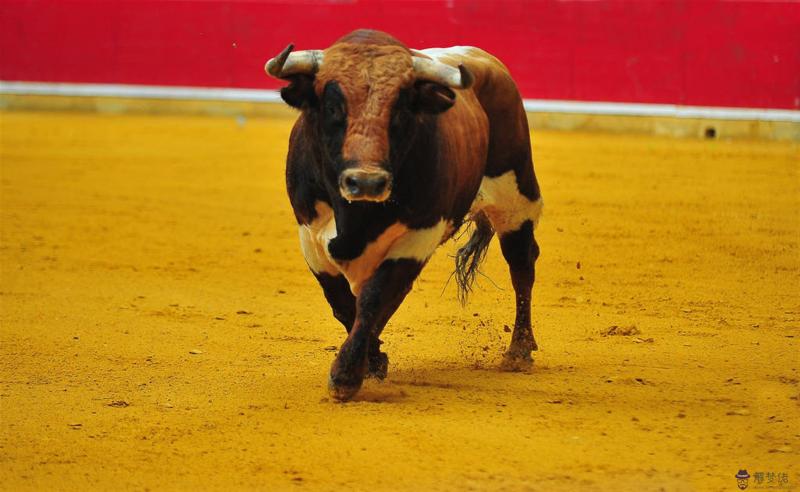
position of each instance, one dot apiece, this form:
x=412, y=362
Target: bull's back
x=499, y=98
x=494, y=87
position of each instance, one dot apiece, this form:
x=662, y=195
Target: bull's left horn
x=455, y=78
x=287, y=63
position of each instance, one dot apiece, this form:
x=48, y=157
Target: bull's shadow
x=429, y=380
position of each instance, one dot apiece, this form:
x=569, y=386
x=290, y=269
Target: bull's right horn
x=450, y=76
x=287, y=63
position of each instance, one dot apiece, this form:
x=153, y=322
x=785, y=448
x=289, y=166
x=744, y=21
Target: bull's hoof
x=348, y=369
x=516, y=361
x=343, y=385
x=342, y=392
x=378, y=366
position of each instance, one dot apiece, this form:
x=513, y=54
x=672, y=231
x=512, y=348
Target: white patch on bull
x=314, y=239
x=419, y=244
x=359, y=270
x=436, y=53
x=506, y=207
x=395, y=242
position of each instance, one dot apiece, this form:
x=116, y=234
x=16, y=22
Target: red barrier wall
x=701, y=52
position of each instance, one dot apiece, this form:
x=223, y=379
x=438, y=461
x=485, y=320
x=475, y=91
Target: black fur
x=521, y=251
x=300, y=92
x=333, y=122
x=470, y=256
x=342, y=301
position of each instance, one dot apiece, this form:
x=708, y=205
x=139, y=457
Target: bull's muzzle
x=374, y=185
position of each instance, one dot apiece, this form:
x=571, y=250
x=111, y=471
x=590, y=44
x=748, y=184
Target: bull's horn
x=455, y=78
x=288, y=63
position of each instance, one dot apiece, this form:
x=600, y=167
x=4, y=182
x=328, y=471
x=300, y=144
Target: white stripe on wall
x=262, y=95
x=139, y=91
x=673, y=110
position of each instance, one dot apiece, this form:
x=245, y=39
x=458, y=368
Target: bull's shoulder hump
x=452, y=50
x=458, y=53
x=474, y=58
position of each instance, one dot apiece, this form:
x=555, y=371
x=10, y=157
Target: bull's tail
x=470, y=256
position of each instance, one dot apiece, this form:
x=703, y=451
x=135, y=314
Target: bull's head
x=365, y=97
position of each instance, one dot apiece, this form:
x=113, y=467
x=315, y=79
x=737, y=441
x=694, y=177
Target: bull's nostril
x=351, y=183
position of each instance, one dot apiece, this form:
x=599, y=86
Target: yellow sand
x=128, y=243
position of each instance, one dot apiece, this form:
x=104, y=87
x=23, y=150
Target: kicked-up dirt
x=160, y=329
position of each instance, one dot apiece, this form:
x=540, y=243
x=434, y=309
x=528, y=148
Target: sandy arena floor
x=160, y=329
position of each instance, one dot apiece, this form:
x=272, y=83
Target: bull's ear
x=433, y=98
x=300, y=92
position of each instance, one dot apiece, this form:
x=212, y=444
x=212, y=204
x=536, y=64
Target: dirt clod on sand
x=123, y=250
x=624, y=331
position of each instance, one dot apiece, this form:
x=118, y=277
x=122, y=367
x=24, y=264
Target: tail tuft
x=470, y=256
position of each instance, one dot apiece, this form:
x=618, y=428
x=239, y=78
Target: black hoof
x=343, y=384
x=378, y=366
x=516, y=361
x=342, y=392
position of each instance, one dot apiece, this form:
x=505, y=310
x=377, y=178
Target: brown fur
x=499, y=98
x=371, y=68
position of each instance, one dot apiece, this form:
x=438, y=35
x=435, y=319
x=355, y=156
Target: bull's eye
x=401, y=113
x=401, y=118
x=334, y=114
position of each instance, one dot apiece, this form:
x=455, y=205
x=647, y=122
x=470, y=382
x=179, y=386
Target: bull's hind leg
x=513, y=205
x=510, y=196
x=337, y=293
x=521, y=251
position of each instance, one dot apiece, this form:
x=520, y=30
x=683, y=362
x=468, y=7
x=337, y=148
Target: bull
x=393, y=151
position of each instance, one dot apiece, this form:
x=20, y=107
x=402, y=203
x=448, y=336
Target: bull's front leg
x=379, y=298
x=343, y=303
